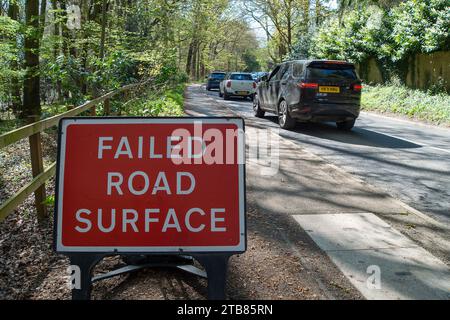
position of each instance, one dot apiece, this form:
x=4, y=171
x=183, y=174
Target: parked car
x=237, y=84
x=258, y=75
x=310, y=90
x=214, y=79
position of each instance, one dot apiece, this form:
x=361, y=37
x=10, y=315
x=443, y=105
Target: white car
x=237, y=84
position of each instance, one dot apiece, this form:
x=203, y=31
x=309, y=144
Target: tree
x=16, y=101
x=286, y=19
x=31, y=91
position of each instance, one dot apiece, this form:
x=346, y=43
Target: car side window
x=286, y=72
x=274, y=73
x=298, y=69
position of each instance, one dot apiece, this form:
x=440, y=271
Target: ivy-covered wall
x=422, y=71
x=409, y=42
x=427, y=70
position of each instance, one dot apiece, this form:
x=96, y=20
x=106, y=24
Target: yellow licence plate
x=329, y=89
x=242, y=92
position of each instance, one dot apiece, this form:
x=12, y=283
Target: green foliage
x=390, y=35
x=353, y=41
x=8, y=54
x=251, y=62
x=417, y=104
x=115, y=70
x=49, y=201
x=163, y=102
x=419, y=26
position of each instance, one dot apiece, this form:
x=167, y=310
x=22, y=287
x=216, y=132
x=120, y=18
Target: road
x=345, y=191
x=408, y=160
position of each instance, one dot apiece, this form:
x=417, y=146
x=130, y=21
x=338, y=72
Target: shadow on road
x=214, y=93
x=357, y=136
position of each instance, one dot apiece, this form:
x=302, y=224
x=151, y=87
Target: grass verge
x=415, y=104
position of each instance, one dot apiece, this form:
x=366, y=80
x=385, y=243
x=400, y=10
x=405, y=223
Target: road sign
x=150, y=185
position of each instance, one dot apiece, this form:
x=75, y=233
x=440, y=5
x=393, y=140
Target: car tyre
x=284, y=118
x=226, y=96
x=220, y=94
x=346, y=125
x=257, y=111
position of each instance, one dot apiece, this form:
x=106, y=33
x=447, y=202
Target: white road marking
x=410, y=122
x=377, y=259
x=410, y=141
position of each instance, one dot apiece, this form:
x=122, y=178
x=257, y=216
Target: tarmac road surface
x=408, y=160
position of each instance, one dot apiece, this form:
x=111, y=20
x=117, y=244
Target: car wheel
x=220, y=93
x=226, y=96
x=256, y=108
x=346, y=125
x=284, y=119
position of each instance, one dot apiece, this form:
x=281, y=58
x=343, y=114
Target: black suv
x=214, y=80
x=310, y=90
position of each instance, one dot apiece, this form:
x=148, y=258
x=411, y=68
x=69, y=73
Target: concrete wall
x=423, y=70
x=370, y=71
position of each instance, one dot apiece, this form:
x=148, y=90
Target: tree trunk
x=189, y=58
x=84, y=54
x=197, y=67
x=194, y=59
x=318, y=13
x=57, y=46
x=43, y=12
x=16, y=101
x=104, y=21
x=31, y=96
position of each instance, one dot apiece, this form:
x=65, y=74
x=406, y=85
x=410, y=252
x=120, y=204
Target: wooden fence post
x=106, y=107
x=37, y=167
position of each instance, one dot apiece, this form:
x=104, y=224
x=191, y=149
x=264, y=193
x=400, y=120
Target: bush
x=393, y=35
x=164, y=102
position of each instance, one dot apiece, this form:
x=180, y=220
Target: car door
x=271, y=90
x=275, y=86
x=286, y=89
x=263, y=86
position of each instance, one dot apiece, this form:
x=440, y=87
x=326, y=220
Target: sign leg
x=82, y=266
x=216, y=266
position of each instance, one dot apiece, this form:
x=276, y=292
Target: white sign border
x=240, y=247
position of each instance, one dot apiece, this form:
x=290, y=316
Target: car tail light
x=357, y=87
x=229, y=84
x=254, y=85
x=308, y=85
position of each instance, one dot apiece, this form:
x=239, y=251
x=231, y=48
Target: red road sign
x=151, y=185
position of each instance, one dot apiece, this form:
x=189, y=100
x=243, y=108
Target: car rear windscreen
x=218, y=76
x=241, y=76
x=336, y=72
